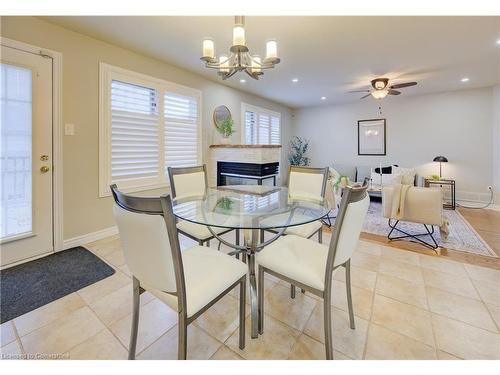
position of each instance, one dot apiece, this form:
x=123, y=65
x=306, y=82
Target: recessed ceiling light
x=465, y=79
x=242, y=80
x=323, y=98
x=498, y=42
x=295, y=80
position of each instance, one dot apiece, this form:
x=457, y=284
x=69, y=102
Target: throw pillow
x=407, y=175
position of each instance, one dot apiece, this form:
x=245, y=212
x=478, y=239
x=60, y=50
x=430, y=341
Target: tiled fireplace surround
x=259, y=154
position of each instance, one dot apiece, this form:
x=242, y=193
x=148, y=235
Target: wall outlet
x=69, y=129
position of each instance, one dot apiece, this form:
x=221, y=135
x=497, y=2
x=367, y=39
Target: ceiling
x=329, y=55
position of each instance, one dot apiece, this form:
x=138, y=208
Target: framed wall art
x=372, y=137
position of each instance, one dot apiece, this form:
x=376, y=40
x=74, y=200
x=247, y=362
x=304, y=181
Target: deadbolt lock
x=44, y=157
x=44, y=169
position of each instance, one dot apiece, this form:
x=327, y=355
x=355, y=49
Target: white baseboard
x=89, y=237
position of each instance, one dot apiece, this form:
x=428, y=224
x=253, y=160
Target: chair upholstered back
x=188, y=181
x=348, y=225
x=149, y=239
x=306, y=182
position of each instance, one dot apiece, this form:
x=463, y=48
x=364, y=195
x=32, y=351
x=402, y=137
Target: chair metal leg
x=262, y=234
x=135, y=318
x=327, y=312
x=182, y=339
x=200, y=242
x=237, y=241
x=243, y=298
x=414, y=237
x=320, y=235
x=260, y=296
x=207, y=243
x=349, y=293
x=292, y=291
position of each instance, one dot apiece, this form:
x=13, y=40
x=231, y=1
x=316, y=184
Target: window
x=146, y=125
x=261, y=126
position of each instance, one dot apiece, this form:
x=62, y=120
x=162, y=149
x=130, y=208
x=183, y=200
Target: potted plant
x=226, y=129
x=298, y=149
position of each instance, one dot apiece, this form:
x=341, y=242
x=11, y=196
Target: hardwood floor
x=486, y=223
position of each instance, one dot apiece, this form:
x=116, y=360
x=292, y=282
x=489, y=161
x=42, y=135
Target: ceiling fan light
x=379, y=85
x=379, y=94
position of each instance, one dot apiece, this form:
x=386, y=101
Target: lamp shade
x=441, y=159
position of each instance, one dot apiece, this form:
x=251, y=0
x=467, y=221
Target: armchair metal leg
x=243, y=298
x=260, y=300
x=182, y=339
x=135, y=318
x=327, y=312
x=349, y=293
x=414, y=237
x=292, y=291
x=207, y=243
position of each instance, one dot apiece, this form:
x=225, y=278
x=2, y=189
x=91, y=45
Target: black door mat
x=30, y=285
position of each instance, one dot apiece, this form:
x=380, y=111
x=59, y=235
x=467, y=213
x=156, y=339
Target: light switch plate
x=69, y=129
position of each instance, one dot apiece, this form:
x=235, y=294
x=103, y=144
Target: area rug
x=462, y=236
x=30, y=285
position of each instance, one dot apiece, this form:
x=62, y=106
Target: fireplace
x=233, y=173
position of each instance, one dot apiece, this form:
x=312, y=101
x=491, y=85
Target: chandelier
x=240, y=58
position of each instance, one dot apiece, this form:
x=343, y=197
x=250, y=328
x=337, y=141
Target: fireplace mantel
x=244, y=146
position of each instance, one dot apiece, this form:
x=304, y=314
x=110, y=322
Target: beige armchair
x=415, y=205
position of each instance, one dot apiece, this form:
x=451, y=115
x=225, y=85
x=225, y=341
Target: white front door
x=26, y=222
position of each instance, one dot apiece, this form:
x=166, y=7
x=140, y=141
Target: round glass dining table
x=250, y=208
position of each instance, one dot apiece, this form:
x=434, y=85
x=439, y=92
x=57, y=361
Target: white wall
x=458, y=125
x=496, y=142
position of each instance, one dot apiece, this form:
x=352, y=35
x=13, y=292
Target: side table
x=447, y=204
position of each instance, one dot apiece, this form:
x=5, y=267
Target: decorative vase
x=225, y=140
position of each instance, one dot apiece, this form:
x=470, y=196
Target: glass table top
x=249, y=207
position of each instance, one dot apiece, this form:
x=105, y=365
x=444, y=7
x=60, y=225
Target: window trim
x=252, y=108
x=108, y=73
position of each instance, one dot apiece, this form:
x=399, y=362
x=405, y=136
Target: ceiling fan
x=381, y=88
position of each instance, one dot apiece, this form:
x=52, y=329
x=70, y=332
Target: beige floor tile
x=48, y=313
x=495, y=313
x=483, y=274
x=225, y=354
x=117, y=304
x=350, y=342
x=362, y=299
x=385, y=344
x=64, y=333
x=124, y=268
x=104, y=287
x=369, y=248
x=101, y=346
x=365, y=260
x=450, y=283
x=467, y=310
x=401, y=290
x=7, y=334
x=276, y=342
x=293, y=312
x=222, y=319
x=447, y=356
x=399, y=255
x=402, y=270
x=488, y=291
x=155, y=319
x=268, y=284
x=360, y=277
x=442, y=265
x=465, y=341
x=104, y=247
x=115, y=258
x=406, y=319
x=306, y=348
x=199, y=345
x=11, y=351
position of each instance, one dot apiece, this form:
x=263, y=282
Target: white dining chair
x=189, y=282
x=191, y=182
x=311, y=265
x=309, y=184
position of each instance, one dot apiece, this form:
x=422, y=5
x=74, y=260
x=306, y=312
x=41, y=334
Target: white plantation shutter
x=181, y=130
x=134, y=132
x=261, y=126
x=275, y=135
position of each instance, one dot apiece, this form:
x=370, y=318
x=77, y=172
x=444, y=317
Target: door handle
x=44, y=169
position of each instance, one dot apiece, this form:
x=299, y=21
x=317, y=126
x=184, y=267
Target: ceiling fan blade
x=394, y=92
x=401, y=85
x=366, y=96
x=359, y=91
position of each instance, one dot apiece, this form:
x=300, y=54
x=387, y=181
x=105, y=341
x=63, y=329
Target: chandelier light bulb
x=379, y=94
x=238, y=35
x=208, y=48
x=271, y=49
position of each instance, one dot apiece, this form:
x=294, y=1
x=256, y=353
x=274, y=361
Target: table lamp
x=440, y=159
